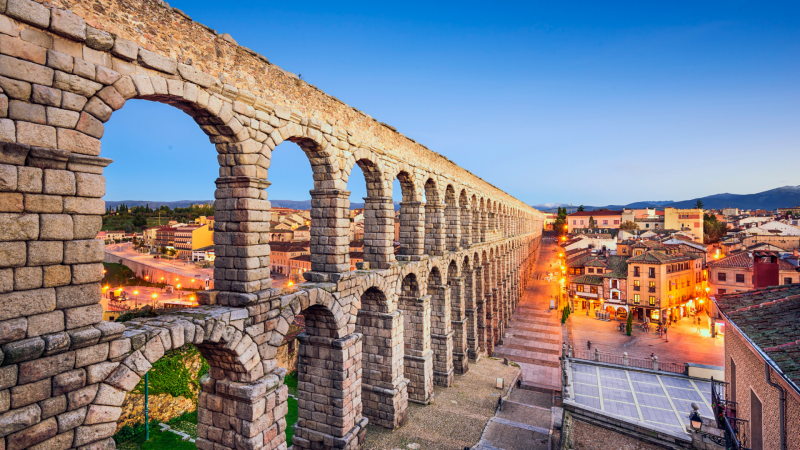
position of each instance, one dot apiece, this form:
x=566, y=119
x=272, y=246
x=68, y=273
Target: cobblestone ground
x=455, y=418
x=533, y=338
x=685, y=344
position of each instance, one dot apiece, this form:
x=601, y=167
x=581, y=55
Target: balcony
x=637, y=288
x=651, y=289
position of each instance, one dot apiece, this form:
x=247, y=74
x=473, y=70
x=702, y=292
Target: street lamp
x=694, y=418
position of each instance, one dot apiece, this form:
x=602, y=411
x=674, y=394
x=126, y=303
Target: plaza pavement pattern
x=659, y=401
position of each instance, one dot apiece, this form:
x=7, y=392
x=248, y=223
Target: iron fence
x=624, y=360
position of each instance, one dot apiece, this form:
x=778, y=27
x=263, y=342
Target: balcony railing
x=636, y=288
x=651, y=289
x=725, y=413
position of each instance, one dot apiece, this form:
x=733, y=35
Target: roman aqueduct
x=375, y=338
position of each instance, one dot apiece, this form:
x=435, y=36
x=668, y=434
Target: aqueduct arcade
x=375, y=338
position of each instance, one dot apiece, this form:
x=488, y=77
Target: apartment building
x=736, y=273
x=281, y=255
x=666, y=282
x=192, y=237
x=688, y=220
x=603, y=219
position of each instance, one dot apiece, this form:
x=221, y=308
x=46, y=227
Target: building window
x=721, y=291
x=636, y=285
x=580, y=288
x=636, y=298
x=652, y=301
x=574, y=222
x=605, y=222
x=740, y=278
x=616, y=222
x=652, y=287
x=636, y=271
x=615, y=284
x=593, y=289
x=591, y=270
x=756, y=437
x=722, y=276
x=787, y=280
x=651, y=272
x=615, y=295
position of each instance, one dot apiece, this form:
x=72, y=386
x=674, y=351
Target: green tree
x=629, y=226
x=592, y=224
x=581, y=208
x=139, y=220
x=698, y=204
x=629, y=325
x=713, y=229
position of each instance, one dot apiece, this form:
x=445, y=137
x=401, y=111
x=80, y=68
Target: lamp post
x=694, y=418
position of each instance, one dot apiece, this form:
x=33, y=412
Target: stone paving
x=456, y=416
x=533, y=338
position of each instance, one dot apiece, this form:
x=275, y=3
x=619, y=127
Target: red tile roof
x=595, y=213
x=744, y=260
x=769, y=317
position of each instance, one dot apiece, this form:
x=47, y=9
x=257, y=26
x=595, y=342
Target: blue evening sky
x=587, y=103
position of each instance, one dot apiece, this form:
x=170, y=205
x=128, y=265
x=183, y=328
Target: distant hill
x=292, y=204
x=772, y=199
x=156, y=204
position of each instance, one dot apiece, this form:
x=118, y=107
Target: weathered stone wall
x=64, y=373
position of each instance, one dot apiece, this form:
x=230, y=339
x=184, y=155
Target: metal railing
x=623, y=360
x=725, y=413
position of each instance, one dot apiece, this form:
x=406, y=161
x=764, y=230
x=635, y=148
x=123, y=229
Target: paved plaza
x=685, y=341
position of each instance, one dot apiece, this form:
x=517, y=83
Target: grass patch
x=291, y=381
x=159, y=440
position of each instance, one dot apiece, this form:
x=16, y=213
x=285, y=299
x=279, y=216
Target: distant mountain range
x=781, y=197
x=292, y=204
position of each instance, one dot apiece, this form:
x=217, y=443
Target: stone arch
x=418, y=356
x=383, y=384
x=232, y=354
x=465, y=217
x=412, y=217
x=441, y=328
x=452, y=218
x=246, y=118
x=435, y=242
x=378, y=211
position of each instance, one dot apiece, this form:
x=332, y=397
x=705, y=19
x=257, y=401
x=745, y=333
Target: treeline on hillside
x=135, y=218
